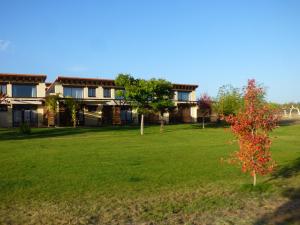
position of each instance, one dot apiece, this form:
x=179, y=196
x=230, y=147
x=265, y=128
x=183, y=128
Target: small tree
x=52, y=105
x=73, y=106
x=229, y=101
x=251, y=126
x=138, y=92
x=205, y=106
x=162, y=98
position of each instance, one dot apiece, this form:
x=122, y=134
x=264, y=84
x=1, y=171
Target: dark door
x=25, y=114
x=107, y=115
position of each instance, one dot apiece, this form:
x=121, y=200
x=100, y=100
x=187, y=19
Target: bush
x=25, y=128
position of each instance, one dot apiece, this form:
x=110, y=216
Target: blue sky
x=209, y=43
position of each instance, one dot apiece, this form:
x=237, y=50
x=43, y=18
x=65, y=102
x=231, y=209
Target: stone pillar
x=9, y=90
x=40, y=114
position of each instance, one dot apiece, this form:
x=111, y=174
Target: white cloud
x=4, y=44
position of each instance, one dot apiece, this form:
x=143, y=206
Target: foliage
x=146, y=96
x=137, y=91
x=51, y=103
x=274, y=105
x=73, y=106
x=287, y=105
x=251, y=126
x=25, y=128
x=229, y=101
x=162, y=99
x=205, y=106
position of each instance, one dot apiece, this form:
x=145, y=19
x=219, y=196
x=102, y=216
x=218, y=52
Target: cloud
x=4, y=44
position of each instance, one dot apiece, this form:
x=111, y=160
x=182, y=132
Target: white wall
x=41, y=90
x=194, y=113
x=59, y=89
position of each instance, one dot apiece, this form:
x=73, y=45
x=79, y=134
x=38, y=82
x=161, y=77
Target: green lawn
x=116, y=176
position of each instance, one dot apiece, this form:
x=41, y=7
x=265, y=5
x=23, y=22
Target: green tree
x=229, y=101
x=162, y=99
x=73, y=106
x=51, y=103
x=138, y=92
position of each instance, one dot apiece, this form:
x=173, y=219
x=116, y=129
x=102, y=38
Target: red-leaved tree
x=251, y=126
x=205, y=105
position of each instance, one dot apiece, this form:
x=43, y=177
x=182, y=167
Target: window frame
x=34, y=86
x=180, y=94
x=3, y=87
x=73, y=87
x=93, y=89
x=104, y=93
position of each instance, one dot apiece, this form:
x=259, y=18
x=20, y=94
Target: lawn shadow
x=288, y=122
x=289, y=212
x=287, y=171
x=13, y=134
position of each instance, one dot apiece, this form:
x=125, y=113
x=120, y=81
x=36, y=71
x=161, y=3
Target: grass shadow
x=288, y=122
x=13, y=134
x=290, y=170
x=289, y=212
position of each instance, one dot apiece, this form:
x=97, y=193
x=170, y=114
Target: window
x=119, y=94
x=92, y=92
x=106, y=93
x=126, y=116
x=3, y=89
x=74, y=92
x=23, y=91
x=183, y=95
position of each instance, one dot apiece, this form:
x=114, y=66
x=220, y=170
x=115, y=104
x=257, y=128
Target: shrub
x=25, y=128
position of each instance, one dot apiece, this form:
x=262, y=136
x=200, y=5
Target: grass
x=116, y=176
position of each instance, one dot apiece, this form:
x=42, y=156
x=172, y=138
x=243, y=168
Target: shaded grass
x=99, y=175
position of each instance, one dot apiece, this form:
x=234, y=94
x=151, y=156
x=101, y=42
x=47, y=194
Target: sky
x=210, y=43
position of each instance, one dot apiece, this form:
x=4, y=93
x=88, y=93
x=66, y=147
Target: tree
x=229, y=101
x=162, y=99
x=251, y=126
x=73, y=106
x=52, y=105
x=138, y=92
x=205, y=106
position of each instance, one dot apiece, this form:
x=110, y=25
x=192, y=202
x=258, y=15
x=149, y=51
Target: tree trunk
x=74, y=118
x=142, y=124
x=161, y=125
x=202, y=122
x=254, y=178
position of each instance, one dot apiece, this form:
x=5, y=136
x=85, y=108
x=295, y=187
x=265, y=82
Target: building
x=25, y=98
x=97, y=99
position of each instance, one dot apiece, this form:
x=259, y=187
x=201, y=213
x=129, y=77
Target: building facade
x=98, y=102
x=25, y=94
